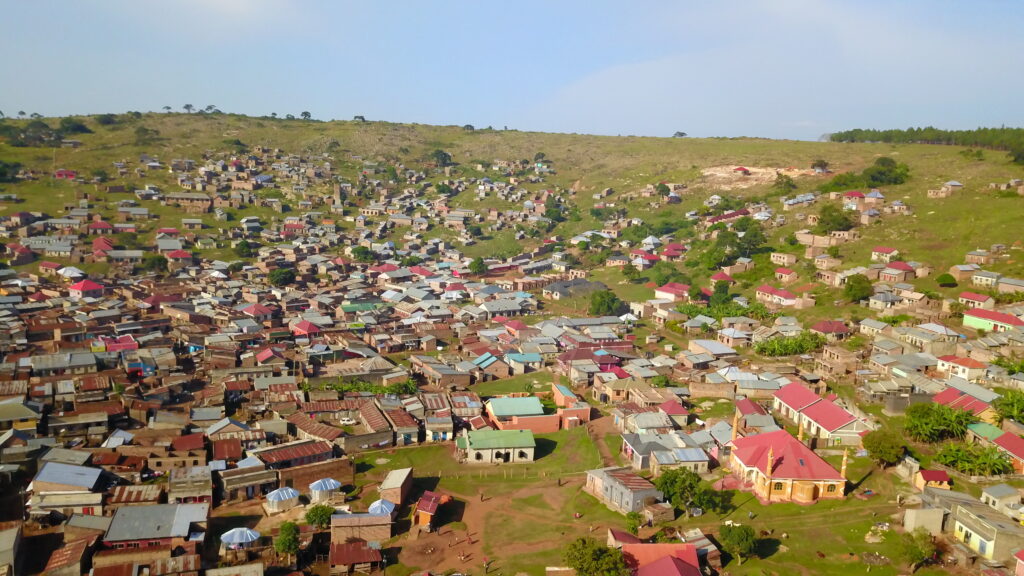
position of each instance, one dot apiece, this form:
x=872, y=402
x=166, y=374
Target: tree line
x=1002, y=138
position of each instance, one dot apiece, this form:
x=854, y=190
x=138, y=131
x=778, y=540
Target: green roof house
x=496, y=446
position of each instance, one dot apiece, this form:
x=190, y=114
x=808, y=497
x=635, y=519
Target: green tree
x=803, y=343
x=235, y=267
x=70, y=125
x=945, y=280
x=287, y=541
x=1010, y=406
x=684, y=490
x=443, y=189
x=633, y=522
x=916, y=547
x=477, y=266
x=783, y=184
x=632, y=273
x=306, y=115
x=154, y=263
x=441, y=158
x=281, y=276
x=593, y=558
x=243, y=249
x=885, y=448
x=739, y=541
x=605, y=303
x=363, y=254
x=662, y=189
x=720, y=295
x=188, y=108
x=320, y=516
x=100, y=174
x=930, y=422
x=833, y=218
x=857, y=288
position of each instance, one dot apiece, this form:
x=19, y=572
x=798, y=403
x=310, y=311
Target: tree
x=287, y=541
x=593, y=558
x=468, y=128
x=100, y=174
x=477, y=266
x=885, y=447
x=306, y=115
x=695, y=294
x=803, y=343
x=281, y=276
x=235, y=267
x=167, y=109
x=916, y=547
x=684, y=490
x=539, y=157
x=946, y=280
x=441, y=158
x=145, y=135
x=363, y=254
x=605, y=303
x=21, y=113
x=106, y=119
x=739, y=541
x=662, y=189
x=154, y=263
x=359, y=118
x=1010, y=406
x=820, y=164
x=73, y=126
x=631, y=273
x=320, y=516
x=679, y=134
x=188, y=108
x=930, y=422
x=633, y=521
x=243, y=249
x=720, y=294
x=444, y=189
x=784, y=184
x=832, y=218
x=857, y=288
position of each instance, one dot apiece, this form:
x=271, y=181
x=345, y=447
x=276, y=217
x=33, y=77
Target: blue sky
x=774, y=68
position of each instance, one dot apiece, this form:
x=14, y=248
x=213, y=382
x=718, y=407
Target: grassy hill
x=939, y=232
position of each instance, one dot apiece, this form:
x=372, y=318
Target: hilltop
x=576, y=168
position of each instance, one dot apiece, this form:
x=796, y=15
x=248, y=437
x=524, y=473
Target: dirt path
x=598, y=428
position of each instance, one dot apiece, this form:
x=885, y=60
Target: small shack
x=426, y=510
x=352, y=557
x=281, y=500
x=323, y=490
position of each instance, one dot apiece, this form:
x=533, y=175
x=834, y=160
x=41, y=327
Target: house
x=156, y=525
x=496, y=446
x=991, y=321
x=831, y=329
x=621, y=489
x=932, y=479
x=396, y=486
x=967, y=368
x=353, y=557
x=777, y=467
x=884, y=254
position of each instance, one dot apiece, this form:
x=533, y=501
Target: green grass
x=520, y=383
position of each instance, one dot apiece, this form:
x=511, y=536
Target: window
x=831, y=488
x=777, y=486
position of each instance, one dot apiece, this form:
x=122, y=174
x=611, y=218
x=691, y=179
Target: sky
x=793, y=69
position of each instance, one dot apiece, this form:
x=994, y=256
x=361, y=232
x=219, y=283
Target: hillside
x=939, y=232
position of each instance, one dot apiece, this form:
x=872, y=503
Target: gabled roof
x=792, y=459
x=85, y=286
x=796, y=396
x=828, y=415
x=993, y=316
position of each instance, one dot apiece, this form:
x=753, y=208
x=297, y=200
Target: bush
x=946, y=280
